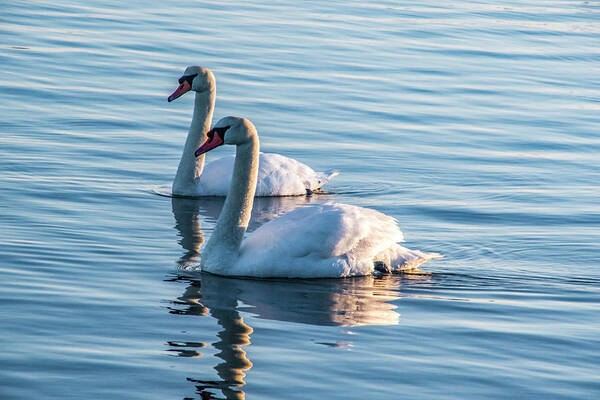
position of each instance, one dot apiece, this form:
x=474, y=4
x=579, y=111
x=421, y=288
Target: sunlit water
x=475, y=124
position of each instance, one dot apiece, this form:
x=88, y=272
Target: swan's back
x=277, y=176
x=283, y=176
x=318, y=241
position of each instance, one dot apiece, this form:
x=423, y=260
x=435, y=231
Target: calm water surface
x=474, y=123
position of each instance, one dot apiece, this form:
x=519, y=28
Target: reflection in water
x=333, y=302
x=234, y=335
x=188, y=212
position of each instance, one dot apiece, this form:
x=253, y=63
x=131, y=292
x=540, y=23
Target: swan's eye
x=219, y=131
x=222, y=130
x=188, y=78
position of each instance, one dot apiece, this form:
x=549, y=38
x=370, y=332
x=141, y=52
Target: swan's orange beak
x=214, y=140
x=183, y=88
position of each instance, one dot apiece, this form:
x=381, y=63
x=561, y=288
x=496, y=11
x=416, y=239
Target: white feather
x=323, y=241
x=319, y=241
x=277, y=176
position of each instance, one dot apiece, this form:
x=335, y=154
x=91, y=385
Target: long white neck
x=190, y=166
x=224, y=244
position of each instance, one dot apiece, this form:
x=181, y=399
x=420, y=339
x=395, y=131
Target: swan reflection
x=188, y=213
x=326, y=302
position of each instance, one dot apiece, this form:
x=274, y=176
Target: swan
x=318, y=241
x=277, y=175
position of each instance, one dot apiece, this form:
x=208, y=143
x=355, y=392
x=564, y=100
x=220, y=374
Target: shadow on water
x=325, y=302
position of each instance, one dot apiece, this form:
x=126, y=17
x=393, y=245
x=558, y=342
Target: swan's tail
x=412, y=266
x=401, y=260
x=324, y=177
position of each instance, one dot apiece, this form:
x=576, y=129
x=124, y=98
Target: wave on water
x=160, y=190
x=364, y=189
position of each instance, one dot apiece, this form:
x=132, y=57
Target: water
x=474, y=123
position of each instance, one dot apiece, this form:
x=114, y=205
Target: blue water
x=474, y=123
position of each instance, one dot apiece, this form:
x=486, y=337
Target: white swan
x=321, y=241
x=277, y=175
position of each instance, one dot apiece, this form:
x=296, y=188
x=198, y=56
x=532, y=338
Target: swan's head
x=198, y=79
x=229, y=130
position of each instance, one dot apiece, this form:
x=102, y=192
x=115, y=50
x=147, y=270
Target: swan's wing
x=277, y=176
x=216, y=177
x=283, y=176
x=323, y=240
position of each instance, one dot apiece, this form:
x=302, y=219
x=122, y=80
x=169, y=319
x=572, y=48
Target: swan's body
x=277, y=176
x=321, y=241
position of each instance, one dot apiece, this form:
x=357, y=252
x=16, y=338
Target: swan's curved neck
x=223, y=246
x=190, y=167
